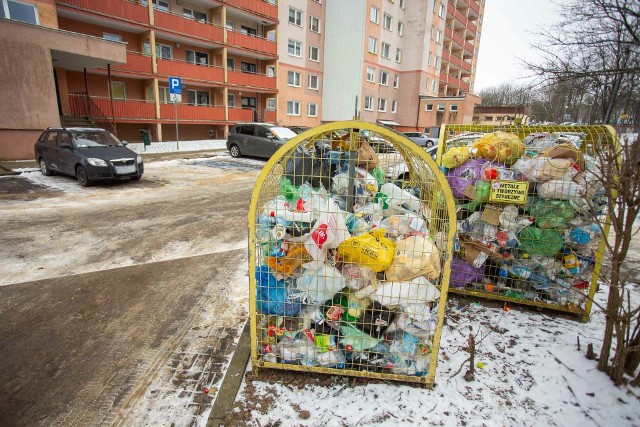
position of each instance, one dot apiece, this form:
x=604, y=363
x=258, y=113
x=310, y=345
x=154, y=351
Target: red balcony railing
x=192, y=112
x=464, y=85
x=252, y=80
x=258, y=7
x=457, y=14
x=270, y=116
x=457, y=38
x=474, y=6
x=449, y=79
x=187, y=70
x=471, y=27
x=240, y=115
x=136, y=63
x=179, y=24
x=246, y=41
x=121, y=9
x=126, y=109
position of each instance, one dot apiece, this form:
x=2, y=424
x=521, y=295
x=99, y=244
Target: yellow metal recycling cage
x=529, y=208
x=351, y=228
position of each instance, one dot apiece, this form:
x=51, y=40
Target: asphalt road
x=118, y=296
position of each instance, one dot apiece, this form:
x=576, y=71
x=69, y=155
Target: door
x=47, y=149
x=250, y=103
x=269, y=144
x=66, y=156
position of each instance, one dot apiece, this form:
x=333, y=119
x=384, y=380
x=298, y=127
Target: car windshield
x=98, y=138
x=283, y=133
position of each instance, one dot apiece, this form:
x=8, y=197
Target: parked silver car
x=257, y=139
x=421, y=139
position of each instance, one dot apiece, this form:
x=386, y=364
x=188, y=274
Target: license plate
x=122, y=170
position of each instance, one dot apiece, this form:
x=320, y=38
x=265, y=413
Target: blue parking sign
x=175, y=85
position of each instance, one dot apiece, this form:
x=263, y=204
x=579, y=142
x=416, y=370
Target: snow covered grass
x=533, y=374
x=171, y=146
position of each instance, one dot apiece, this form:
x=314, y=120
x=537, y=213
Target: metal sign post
x=175, y=93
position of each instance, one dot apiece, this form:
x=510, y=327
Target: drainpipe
x=113, y=114
x=86, y=91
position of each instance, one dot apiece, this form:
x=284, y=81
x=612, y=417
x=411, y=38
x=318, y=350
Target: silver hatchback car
x=257, y=139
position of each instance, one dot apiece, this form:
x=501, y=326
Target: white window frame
x=441, y=10
x=375, y=45
x=368, y=102
x=436, y=63
x=374, y=15
x=402, y=4
x=5, y=5
x=271, y=104
x=297, y=78
x=112, y=37
x=434, y=86
x=382, y=105
x=315, y=19
x=297, y=16
x=297, y=47
x=394, y=106
x=387, y=21
x=271, y=70
x=317, y=79
x=385, y=50
x=315, y=105
x=453, y=107
x=315, y=49
x=433, y=32
x=371, y=74
x=384, y=78
x=190, y=13
x=295, y=106
x=396, y=81
x=428, y=107
x=230, y=25
x=124, y=90
x=233, y=98
x=442, y=106
x=198, y=92
x=439, y=37
x=195, y=61
x=429, y=60
x=398, y=55
x=163, y=94
x=400, y=28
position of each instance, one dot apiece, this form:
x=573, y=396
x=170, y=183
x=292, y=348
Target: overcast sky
x=506, y=35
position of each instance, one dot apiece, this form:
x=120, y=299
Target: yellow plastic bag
x=415, y=256
x=499, y=146
x=455, y=156
x=370, y=249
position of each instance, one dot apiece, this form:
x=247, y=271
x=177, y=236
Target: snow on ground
x=533, y=375
x=171, y=146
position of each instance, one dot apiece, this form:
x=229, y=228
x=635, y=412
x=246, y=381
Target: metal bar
x=113, y=114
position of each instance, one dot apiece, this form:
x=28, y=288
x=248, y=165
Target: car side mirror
x=271, y=136
x=124, y=142
x=65, y=145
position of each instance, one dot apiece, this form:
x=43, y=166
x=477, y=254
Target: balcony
x=119, y=9
x=136, y=63
x=464, y=85
x=258, y=7
x=179, y=24
x=474, y=6
x=449, y=79
x=455, y=37
x=259, y=81
x=240, y=115
x=457, y=14
x=196, y=113
x=472, y=28
x=254, y=43
x=122, y=109
x=191, y=71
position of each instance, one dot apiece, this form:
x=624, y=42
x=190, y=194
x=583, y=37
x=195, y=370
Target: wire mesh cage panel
x=530, y=212
x=351, y=230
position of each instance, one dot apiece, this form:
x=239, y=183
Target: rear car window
x=51, y=138
x=246, y=129
x=263, y=132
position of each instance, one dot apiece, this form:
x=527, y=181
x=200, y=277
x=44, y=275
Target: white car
x=396, y=168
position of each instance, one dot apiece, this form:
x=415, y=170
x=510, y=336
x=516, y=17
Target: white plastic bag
x=320, y=284
x=400, y=200
x=561, y=189
x=328, y=232
x=417, y=291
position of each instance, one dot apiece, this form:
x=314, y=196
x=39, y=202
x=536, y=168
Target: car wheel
x=81, y=176
x=44, y=168
x=429, y=144
x=136, y=177
x=235, y=151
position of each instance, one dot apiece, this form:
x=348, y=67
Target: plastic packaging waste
x=320, y=284
x=274, y=296
x=414, y=256
x=370, y=249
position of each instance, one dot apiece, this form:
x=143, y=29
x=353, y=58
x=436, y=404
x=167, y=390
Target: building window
x=429, y=60
x=312, y=109
x=402, y=4
x=368, y=103
x=374, y=16
x=435, y=6
x=112, y=37
x=371, y=74
x=313, y=82
x=314, y=53
x=314, y=24
x=248, y=67
x=373, y=45
x=231, y=100
x=271, y=70
x=231, y=64
x=318, y=1
x=433, y=32
x=230, y=25
x=488, y=118
x=197, y=58
x=271, y=104
x=398, y=55
x=428, y=107
x=163, y=94
x=295, y=16
x=118, y=90
x=293, y=108
x=194, y=14
x=394, y=106
x=434, y=86
x=384, y=51
x=197, y=97
x=157, y=4
x=436, y=63
x=382, y=104
x=384, y=78
x=439, y=37
x=163, y=51
x=18, y=11
x=387, y=22
x=453, y=107
x=396, y=81
x=440, y=107
x=293, y=78
x=294, y=48
x=441, y=10
x=400, y=28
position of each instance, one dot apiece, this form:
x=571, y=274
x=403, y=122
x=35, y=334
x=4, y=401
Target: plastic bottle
x=570, y=262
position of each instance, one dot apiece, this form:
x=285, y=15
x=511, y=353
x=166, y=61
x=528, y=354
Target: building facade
x=504, y=115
